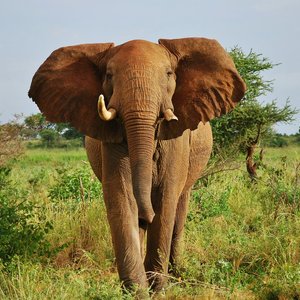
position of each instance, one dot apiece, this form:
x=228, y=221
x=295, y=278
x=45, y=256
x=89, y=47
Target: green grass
x=37, y=168
x=274, y=155
x=242, y=238
x=36, y=282
x=51, y=157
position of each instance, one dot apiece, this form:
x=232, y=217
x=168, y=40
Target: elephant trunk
x=140, y=137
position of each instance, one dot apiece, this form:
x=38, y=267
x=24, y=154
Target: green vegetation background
x=241, y=241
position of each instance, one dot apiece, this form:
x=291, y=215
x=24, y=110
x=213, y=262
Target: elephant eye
x=108, y=76
x=169, y=73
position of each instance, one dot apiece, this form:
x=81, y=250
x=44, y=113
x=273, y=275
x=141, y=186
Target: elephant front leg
x=159, y=238
x=125, y=237
x=122, y=216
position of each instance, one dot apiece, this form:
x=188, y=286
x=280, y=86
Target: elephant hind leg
x=181, y=214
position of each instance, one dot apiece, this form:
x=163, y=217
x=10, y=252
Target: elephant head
x=151, y=91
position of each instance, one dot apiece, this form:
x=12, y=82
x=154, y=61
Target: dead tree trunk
x=250, y=163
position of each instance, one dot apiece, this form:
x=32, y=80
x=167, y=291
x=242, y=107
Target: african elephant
x=147, y=136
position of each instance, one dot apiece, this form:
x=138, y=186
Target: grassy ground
x=242, y=238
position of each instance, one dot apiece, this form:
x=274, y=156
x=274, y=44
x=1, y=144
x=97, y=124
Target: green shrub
x=210, y=204
x=282, y=188
x=23, y=227
x=243, y=235
x=276, y=141
x=49, y=137
x=4, y=173
x=77, y=184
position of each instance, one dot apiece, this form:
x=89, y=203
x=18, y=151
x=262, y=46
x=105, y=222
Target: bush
x=22, y=225
x=49, y=137
x=277, y=141
x=210, y=205
x=77, y=184
x=244, y=234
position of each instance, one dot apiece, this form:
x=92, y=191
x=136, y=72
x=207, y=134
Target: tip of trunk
x=143, y=200
x=147, y=216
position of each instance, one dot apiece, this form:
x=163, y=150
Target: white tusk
x=104, y=114
x=169, y=115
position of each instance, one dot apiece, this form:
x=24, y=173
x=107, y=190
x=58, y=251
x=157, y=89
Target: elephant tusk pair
x=104, y=114
x=111, y=113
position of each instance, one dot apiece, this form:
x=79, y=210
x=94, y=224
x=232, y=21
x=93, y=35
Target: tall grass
x=242, y=238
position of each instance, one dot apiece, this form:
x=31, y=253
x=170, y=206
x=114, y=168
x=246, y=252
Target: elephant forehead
x=136, y=69
x=141, y=45
x=140, y=51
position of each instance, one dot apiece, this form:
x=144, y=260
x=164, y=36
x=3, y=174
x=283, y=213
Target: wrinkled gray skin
x=164, y=170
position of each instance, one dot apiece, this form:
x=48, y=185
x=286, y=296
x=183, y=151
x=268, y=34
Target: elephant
x=144, y=108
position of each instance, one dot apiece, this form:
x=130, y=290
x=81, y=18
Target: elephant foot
x=176, y=271
x=136, y=291
x=157, y=281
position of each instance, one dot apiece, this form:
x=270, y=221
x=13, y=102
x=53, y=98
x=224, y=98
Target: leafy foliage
x=211, y=205
x=49, y=137
x=250, y=121
x=51, y=134
x=75, y=184
x=33, y=124
x=23, y=227
x=244, y=235
x=276, y=140
x=250, y=67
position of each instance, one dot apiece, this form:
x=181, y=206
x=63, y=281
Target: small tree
x=243, y=128
x=33, y=124
x=36, y=126
x=49, y=137
x=67, y=131
x=71, y=133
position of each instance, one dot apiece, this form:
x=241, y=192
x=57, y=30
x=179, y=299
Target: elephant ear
x=66, y=88
x=207, y=84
